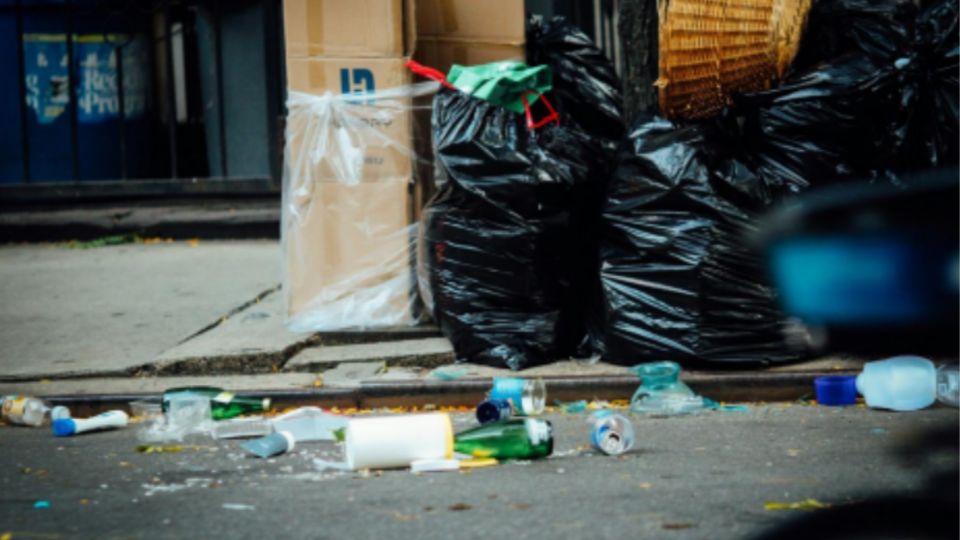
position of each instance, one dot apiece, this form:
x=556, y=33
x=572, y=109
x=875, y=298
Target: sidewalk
x=134, y=319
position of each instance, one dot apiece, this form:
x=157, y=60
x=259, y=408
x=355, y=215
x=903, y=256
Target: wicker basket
x=710, y=49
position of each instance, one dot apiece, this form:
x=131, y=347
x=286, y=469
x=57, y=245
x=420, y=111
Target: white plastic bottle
x=907, y=383
x=66, y=427
x=23, y=410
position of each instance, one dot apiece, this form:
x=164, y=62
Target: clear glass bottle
x=516, y=438
x=223, y=404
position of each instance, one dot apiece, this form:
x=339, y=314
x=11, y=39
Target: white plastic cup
x=387, y=442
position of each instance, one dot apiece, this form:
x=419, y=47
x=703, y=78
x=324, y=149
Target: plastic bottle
x=270, y=445
x=23, y=410
x=948, y=384
x=66, y=427
x=516, y=438
x=611, y=433
x=907, y=383
x=223, y=404
x=310, y=424
x=528, y=396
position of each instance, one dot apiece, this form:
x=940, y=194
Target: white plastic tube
x=66, y=427
x=397, y=441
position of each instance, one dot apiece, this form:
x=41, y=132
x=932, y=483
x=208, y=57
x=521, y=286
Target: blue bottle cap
x=836, y=390
x=64, y=427
x=493, y=410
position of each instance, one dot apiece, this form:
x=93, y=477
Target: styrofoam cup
x=386, y=442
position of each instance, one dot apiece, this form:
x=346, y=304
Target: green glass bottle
x=516, y=438
x=223, y=404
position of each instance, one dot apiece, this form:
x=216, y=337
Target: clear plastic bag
x=350, y=202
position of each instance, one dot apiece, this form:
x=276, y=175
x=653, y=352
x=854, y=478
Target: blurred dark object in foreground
x=873, y=268
x=929, y=513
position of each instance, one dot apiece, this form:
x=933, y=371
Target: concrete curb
x=724, y=387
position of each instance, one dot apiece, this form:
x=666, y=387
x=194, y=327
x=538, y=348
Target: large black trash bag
x=886, y=104
x=877, y=29
x=587, y=93
x=499, y=248
x=678, y=281
x=586, y=88
x=931, y=90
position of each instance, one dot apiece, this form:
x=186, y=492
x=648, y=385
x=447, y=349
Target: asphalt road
x=707, y=476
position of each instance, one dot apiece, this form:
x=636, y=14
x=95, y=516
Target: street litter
x=162, y=449
x=805, y=505
x=23, y=410
x=662, y=392
x=528, y=396
x=271, y=445
x=41, y=504
x=517, y=438
x=908, y=383
x=310, y=424
x=449, y=373
x=67, y=427
x=494, y=410
x=223, y=404
x=238, y=506
x=836, y=390
x=185, y=415
x=573, y=407
x=238, y=428
x=397, y=441
x=610, y=432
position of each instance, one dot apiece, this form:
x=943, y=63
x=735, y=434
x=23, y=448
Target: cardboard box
x=348, y=254
x=443, y=53
x=362, y=139
x=352, y=28
x=493, y=21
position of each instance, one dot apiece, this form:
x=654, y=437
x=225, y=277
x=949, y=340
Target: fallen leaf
x=155, y=449
x=459, y=507
x=805, y=505
x=428, y=509
x=520, y=506
x=645, y=485
x=403, y=517
x=793, y=452
x=193, y=242
x=676, y=526
x=84, y=501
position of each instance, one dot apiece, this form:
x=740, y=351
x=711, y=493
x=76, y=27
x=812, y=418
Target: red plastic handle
x=552, y=117
x=429, y=73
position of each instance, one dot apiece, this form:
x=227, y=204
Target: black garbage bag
x=500, y=240
x=587, y=94
x=931, y=90
x=888, y=103
x=586, y=88
x=678, y=281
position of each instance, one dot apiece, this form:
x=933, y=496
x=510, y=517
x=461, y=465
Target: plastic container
x=310, y=424
x=836, y=390
x=239, y=428
x=23, y=410
x=611, y=433
x=67, y=427
x=397, y=441
x=528, y=396
x=948, y=384
x=907, y=383
x=271, y=445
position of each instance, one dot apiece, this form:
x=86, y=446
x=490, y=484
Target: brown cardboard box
x=378, y=28
x=443, y=53
x=348, y=254
x=363, y=139
x=494, y=21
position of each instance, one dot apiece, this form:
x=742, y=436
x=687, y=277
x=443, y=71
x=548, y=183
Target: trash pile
x=508, y=426
x=554, y=230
